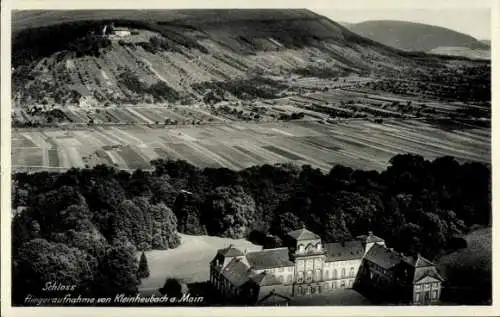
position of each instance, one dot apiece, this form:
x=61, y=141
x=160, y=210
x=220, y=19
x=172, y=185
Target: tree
x=230, y=212
x=40, y=261
x=335, y=227
x=91, y=241
x=164, y=230
x=117, y=271
x=143, y=270
x=172, y=288
x=105, y=194
x=285, y=223
x=139, y=184
x=187, y=211
x=129, y=220
x=163, y=191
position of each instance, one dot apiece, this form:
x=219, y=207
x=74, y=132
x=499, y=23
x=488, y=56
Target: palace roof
x=269, y=258
x=421, y=273
x=383, y=257
x=265, y=279
x=344, y=251
x=273, y=298
x=423, y=268
x=237, y=272
x=388, y=259
x=303, y=234
x=230, y=251
x=370, y=238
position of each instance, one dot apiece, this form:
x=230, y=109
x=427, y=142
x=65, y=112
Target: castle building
x=113, y=31
x=391, y=276
x=121, y=32
x=308, y=266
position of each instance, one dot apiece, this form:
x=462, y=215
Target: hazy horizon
x=475, y=22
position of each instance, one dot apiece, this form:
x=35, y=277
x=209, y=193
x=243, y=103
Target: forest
x=82, y=37
x=84, y=227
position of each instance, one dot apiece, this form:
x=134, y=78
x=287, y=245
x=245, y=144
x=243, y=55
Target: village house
x=308, y=266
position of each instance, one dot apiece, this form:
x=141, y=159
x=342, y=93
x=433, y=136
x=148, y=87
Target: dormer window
x=301, y=248
x=318, y=246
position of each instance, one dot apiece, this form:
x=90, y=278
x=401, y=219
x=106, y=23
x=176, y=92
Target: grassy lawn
x=468, y=271
x=189, y=262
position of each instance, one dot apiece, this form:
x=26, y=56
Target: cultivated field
x=189, y=262
x=355, y=143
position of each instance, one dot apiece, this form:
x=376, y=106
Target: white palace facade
x=309, y=266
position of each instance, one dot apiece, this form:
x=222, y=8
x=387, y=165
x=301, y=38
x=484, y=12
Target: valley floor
x=360, y=144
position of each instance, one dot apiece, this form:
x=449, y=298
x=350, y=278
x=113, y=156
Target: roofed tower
x=425, y=268
x=224, y=256
x=305, y=242
x=370, y=240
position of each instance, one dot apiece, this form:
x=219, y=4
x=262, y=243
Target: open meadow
x=189, y=262
x=356, y=143
x=468, y=271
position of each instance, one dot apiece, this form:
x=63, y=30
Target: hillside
x=183, y=56
x=279, y=82
x=412, y=36
x=486, y=42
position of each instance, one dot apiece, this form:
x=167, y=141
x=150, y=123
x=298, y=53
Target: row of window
x=425, y=296
x=342, y=275
x=282, y=269
x=289, y=279
x=334, y=275
x=426, y=286
x=308, y=290
x=303, y=290
x=310, y=247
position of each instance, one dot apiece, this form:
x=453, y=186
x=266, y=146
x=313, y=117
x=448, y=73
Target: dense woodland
x=85, y=226
x=73, y=35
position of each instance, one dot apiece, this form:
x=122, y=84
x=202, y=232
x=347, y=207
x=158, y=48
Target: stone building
x=308, y=266
x=391, y=276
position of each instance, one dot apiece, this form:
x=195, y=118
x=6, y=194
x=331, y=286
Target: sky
x=472, y=17
x=474, y=22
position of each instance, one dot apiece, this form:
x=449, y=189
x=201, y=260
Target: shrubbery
x=245, y=89
x=160, y=90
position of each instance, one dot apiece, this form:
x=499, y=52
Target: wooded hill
x=413, y=36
